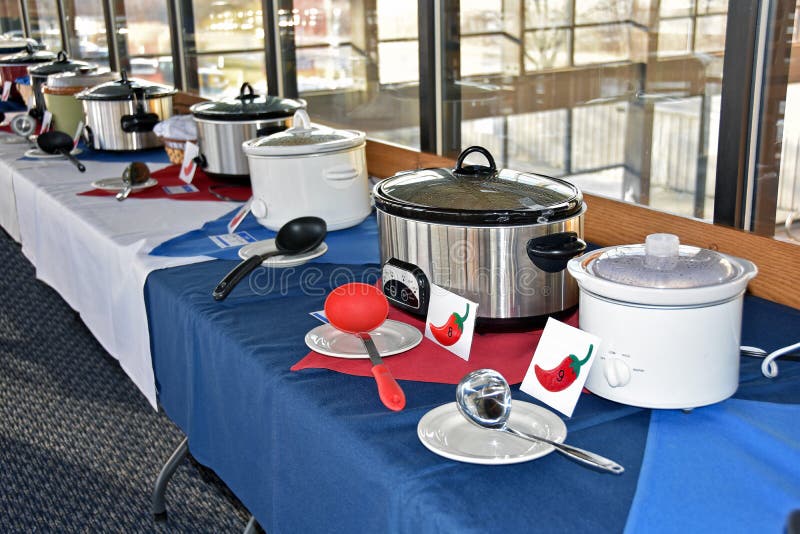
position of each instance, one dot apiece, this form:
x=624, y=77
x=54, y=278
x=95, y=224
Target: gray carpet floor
x=80, y=447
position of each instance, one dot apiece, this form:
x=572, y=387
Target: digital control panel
x=406, y=286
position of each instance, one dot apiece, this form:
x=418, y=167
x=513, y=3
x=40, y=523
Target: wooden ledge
x=611, y=222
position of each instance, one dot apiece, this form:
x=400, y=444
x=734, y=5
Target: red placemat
x=509, y=353
x=169, y=176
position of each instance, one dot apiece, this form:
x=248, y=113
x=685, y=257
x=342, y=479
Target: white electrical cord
x=768, y=367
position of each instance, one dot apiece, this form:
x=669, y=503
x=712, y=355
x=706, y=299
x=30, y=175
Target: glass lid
x=662, y=262
x=31, y=55
x=478, y=194
x=303, y=138
x=247, y=106
x=126, y=89
x=62, y=64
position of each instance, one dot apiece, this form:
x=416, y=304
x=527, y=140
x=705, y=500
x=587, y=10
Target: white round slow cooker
x=669, y=318
x=309, y=170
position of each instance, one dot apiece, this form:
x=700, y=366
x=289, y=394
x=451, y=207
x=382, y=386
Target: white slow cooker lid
x=303, y=138
x=662, y=272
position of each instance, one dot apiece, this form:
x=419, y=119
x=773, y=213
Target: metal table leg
x=251, y=527
x=158, y=506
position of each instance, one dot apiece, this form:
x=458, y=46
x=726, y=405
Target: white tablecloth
x=93, y=250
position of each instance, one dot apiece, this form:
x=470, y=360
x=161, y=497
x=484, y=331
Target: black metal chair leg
x=158, y=506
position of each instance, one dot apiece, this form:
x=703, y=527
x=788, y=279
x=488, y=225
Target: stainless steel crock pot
x=16, y=66
x=120, y=115
x=223, y=125
x=501, y=238
x=39, y=74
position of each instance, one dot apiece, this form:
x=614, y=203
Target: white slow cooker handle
x=341, y=175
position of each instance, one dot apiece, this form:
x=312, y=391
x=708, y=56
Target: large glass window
x=622, y=98
x=784, y=116
x=86, y=30
x=229, y=46
x=45, y=26
x=143, y=37
x=357, y=65
x=10, y=19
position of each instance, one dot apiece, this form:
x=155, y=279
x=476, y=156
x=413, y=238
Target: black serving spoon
x=56, y=142
x=297, y=236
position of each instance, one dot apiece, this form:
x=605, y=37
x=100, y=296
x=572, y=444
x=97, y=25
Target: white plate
x=446, y=432
x=392, y=337
x=38, y=153
x=292, y=260
x=116, y=184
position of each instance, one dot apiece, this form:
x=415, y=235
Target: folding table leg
x=251, y=527
x=158, y=506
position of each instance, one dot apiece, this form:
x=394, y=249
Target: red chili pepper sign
x=450, y=332
x=561, y=377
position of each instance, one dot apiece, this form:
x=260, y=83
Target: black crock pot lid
x=478, y=195
x=247, y=106
x=125, y=88
x=62, y=64
x=28, y=56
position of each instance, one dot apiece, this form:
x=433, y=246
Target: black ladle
x=56, y=142
x=297, y=236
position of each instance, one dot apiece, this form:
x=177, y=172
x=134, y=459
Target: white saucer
x=116, y=184
x=392, y=337
x=292, y=260
x=38, y=153
x=446, y=432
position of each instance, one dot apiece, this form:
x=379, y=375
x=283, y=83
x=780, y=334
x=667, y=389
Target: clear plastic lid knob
x=662, y=262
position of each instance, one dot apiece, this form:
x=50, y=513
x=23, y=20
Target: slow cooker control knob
x=617, y=372
x=259, y=208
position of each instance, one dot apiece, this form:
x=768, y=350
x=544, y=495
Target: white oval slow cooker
x=309, y=170
x=669, y=318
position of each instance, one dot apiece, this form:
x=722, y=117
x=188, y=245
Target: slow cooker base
x=519, y=324
x=238, y=179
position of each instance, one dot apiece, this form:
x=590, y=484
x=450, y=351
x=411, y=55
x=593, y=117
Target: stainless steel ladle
x=484, y=398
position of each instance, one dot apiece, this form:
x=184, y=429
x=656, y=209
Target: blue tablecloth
x=355, y=245
x=315, y=451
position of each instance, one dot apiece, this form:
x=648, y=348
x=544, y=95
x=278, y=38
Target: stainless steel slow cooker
x=16, y=66
x=501, y=238
x=39, y=74
x=223, y=125
x=120, y=115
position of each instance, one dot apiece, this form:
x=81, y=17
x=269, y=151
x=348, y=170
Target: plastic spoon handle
x=590, y=458
x=389, y=391
x=74, y=160
x=244, y=268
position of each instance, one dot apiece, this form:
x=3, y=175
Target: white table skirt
x=93, y=250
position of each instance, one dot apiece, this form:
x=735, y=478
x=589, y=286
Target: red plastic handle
x=389, y=390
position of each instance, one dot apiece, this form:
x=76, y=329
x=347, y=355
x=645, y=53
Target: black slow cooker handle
x=474, y=169
x=551, y=252
x=62, y=57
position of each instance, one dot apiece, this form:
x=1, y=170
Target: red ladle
x=358, y=309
